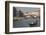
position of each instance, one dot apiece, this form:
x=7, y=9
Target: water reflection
x=26, y=22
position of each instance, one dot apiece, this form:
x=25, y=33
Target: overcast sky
x=27, y=9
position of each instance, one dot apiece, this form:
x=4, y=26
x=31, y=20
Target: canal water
x=26, y=22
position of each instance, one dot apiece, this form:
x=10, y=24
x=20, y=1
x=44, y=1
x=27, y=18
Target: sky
x=27, y=9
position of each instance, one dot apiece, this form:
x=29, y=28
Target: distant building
x=32, y=14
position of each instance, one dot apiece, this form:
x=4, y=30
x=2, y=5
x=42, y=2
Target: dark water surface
x=26, y=22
